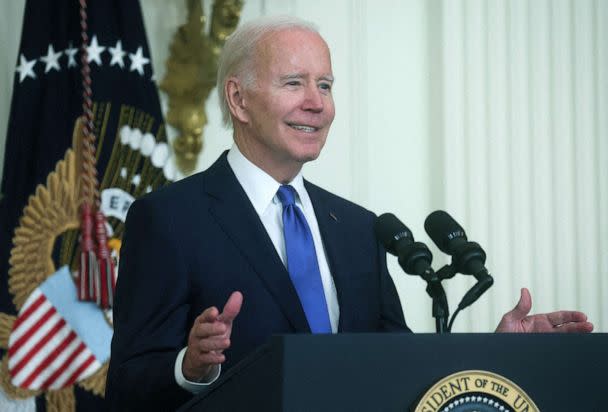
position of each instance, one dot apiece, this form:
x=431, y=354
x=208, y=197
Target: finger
x=211, y=358
x=209, y=315
x=232, y=307
x=524, y=305
x=206, y=330
x=213, y=344
x=574, y=327
x=196, y=364
x=566, y=316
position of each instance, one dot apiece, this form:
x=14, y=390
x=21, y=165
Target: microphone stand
x=415, y=258
x=435, y=290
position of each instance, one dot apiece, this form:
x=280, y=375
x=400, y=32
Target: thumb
x=524, y=305
x=231, y=308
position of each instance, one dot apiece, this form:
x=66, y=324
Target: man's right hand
x=209, y=338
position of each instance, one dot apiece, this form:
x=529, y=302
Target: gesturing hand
x=209, y=337
x=519, y=321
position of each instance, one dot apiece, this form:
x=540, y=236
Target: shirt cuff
x=194, y=387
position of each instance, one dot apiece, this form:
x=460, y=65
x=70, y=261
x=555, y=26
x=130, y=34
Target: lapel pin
x=331, y=214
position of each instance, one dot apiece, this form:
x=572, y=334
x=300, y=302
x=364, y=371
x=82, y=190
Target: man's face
x=289, y=108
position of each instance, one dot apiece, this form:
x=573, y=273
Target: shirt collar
x=260, y=187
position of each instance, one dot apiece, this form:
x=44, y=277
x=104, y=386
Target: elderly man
x=249, y=235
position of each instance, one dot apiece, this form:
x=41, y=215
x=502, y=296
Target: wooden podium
x=391, y=372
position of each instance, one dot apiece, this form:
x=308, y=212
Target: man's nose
x=313, y=99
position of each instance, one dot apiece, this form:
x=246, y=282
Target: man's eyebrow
x=292, y=76
x=297, y=76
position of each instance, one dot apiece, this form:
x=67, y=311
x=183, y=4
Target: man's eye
x=325, y=86
x=293, y=83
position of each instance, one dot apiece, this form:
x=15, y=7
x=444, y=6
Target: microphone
x=467, y=257
x=414, y=257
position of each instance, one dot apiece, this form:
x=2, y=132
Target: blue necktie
x=302, y=262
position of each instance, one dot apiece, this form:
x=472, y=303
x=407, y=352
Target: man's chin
x=311, y=151
x=308, y=157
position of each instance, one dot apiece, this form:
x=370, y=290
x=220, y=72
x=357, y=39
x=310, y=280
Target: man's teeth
x=308, y=129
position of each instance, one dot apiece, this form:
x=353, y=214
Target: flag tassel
x=106, y=265
x=88, y=270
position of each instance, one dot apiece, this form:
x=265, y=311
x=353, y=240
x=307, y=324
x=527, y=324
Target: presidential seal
x=475, y=391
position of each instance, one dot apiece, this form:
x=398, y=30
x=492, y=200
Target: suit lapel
x=235, y=214
x=332, y=231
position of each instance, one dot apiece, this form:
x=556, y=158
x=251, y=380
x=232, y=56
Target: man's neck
x=282, y=173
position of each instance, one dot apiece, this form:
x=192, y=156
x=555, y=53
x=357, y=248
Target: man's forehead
x=299, y=48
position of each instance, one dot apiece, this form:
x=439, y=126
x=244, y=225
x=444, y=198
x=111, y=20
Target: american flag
x=52, y=345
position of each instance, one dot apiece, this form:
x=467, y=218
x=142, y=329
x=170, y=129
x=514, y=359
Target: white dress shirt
x=261, y=189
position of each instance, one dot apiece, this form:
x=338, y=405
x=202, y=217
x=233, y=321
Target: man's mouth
x=303, y=128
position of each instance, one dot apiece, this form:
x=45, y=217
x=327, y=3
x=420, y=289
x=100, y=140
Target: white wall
x=495, y=110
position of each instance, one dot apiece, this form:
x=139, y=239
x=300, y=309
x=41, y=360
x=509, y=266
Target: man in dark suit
x=249, y=235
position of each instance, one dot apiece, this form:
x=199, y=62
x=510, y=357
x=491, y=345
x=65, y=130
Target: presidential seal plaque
x=475, y=391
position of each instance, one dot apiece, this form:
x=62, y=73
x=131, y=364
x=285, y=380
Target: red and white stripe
x=44, y=351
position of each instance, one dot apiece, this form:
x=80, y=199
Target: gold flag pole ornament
x=191, y=74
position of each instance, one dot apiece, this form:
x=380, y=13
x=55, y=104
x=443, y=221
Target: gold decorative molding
x=50, y=211
x=63, y=400
x=191, y=74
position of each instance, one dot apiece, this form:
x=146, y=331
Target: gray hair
x=237, y=56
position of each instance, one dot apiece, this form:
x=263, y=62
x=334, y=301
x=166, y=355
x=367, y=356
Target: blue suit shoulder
x=346, y=207
x=176, y=191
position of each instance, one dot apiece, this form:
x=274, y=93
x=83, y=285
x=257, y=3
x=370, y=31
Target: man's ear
x=234, y=91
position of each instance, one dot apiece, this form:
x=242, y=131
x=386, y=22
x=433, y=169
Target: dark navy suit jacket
x=190, y=245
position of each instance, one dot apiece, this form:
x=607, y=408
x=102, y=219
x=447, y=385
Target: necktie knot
x=287, y=195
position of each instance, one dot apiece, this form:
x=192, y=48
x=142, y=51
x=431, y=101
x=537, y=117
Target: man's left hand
x=518, y=320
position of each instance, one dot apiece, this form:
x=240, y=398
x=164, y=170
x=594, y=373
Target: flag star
x=71, y=52
x=51, y=59
x=25, y=68
x=94, y=51
x=117, y=55
x=136, y=180
x=138, y=61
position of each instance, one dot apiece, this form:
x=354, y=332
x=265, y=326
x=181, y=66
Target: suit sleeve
x=150, y=314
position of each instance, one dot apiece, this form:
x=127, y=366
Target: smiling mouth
x=303, y=128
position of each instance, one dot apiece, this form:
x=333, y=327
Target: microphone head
x=444, y=231
x=390, y=230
